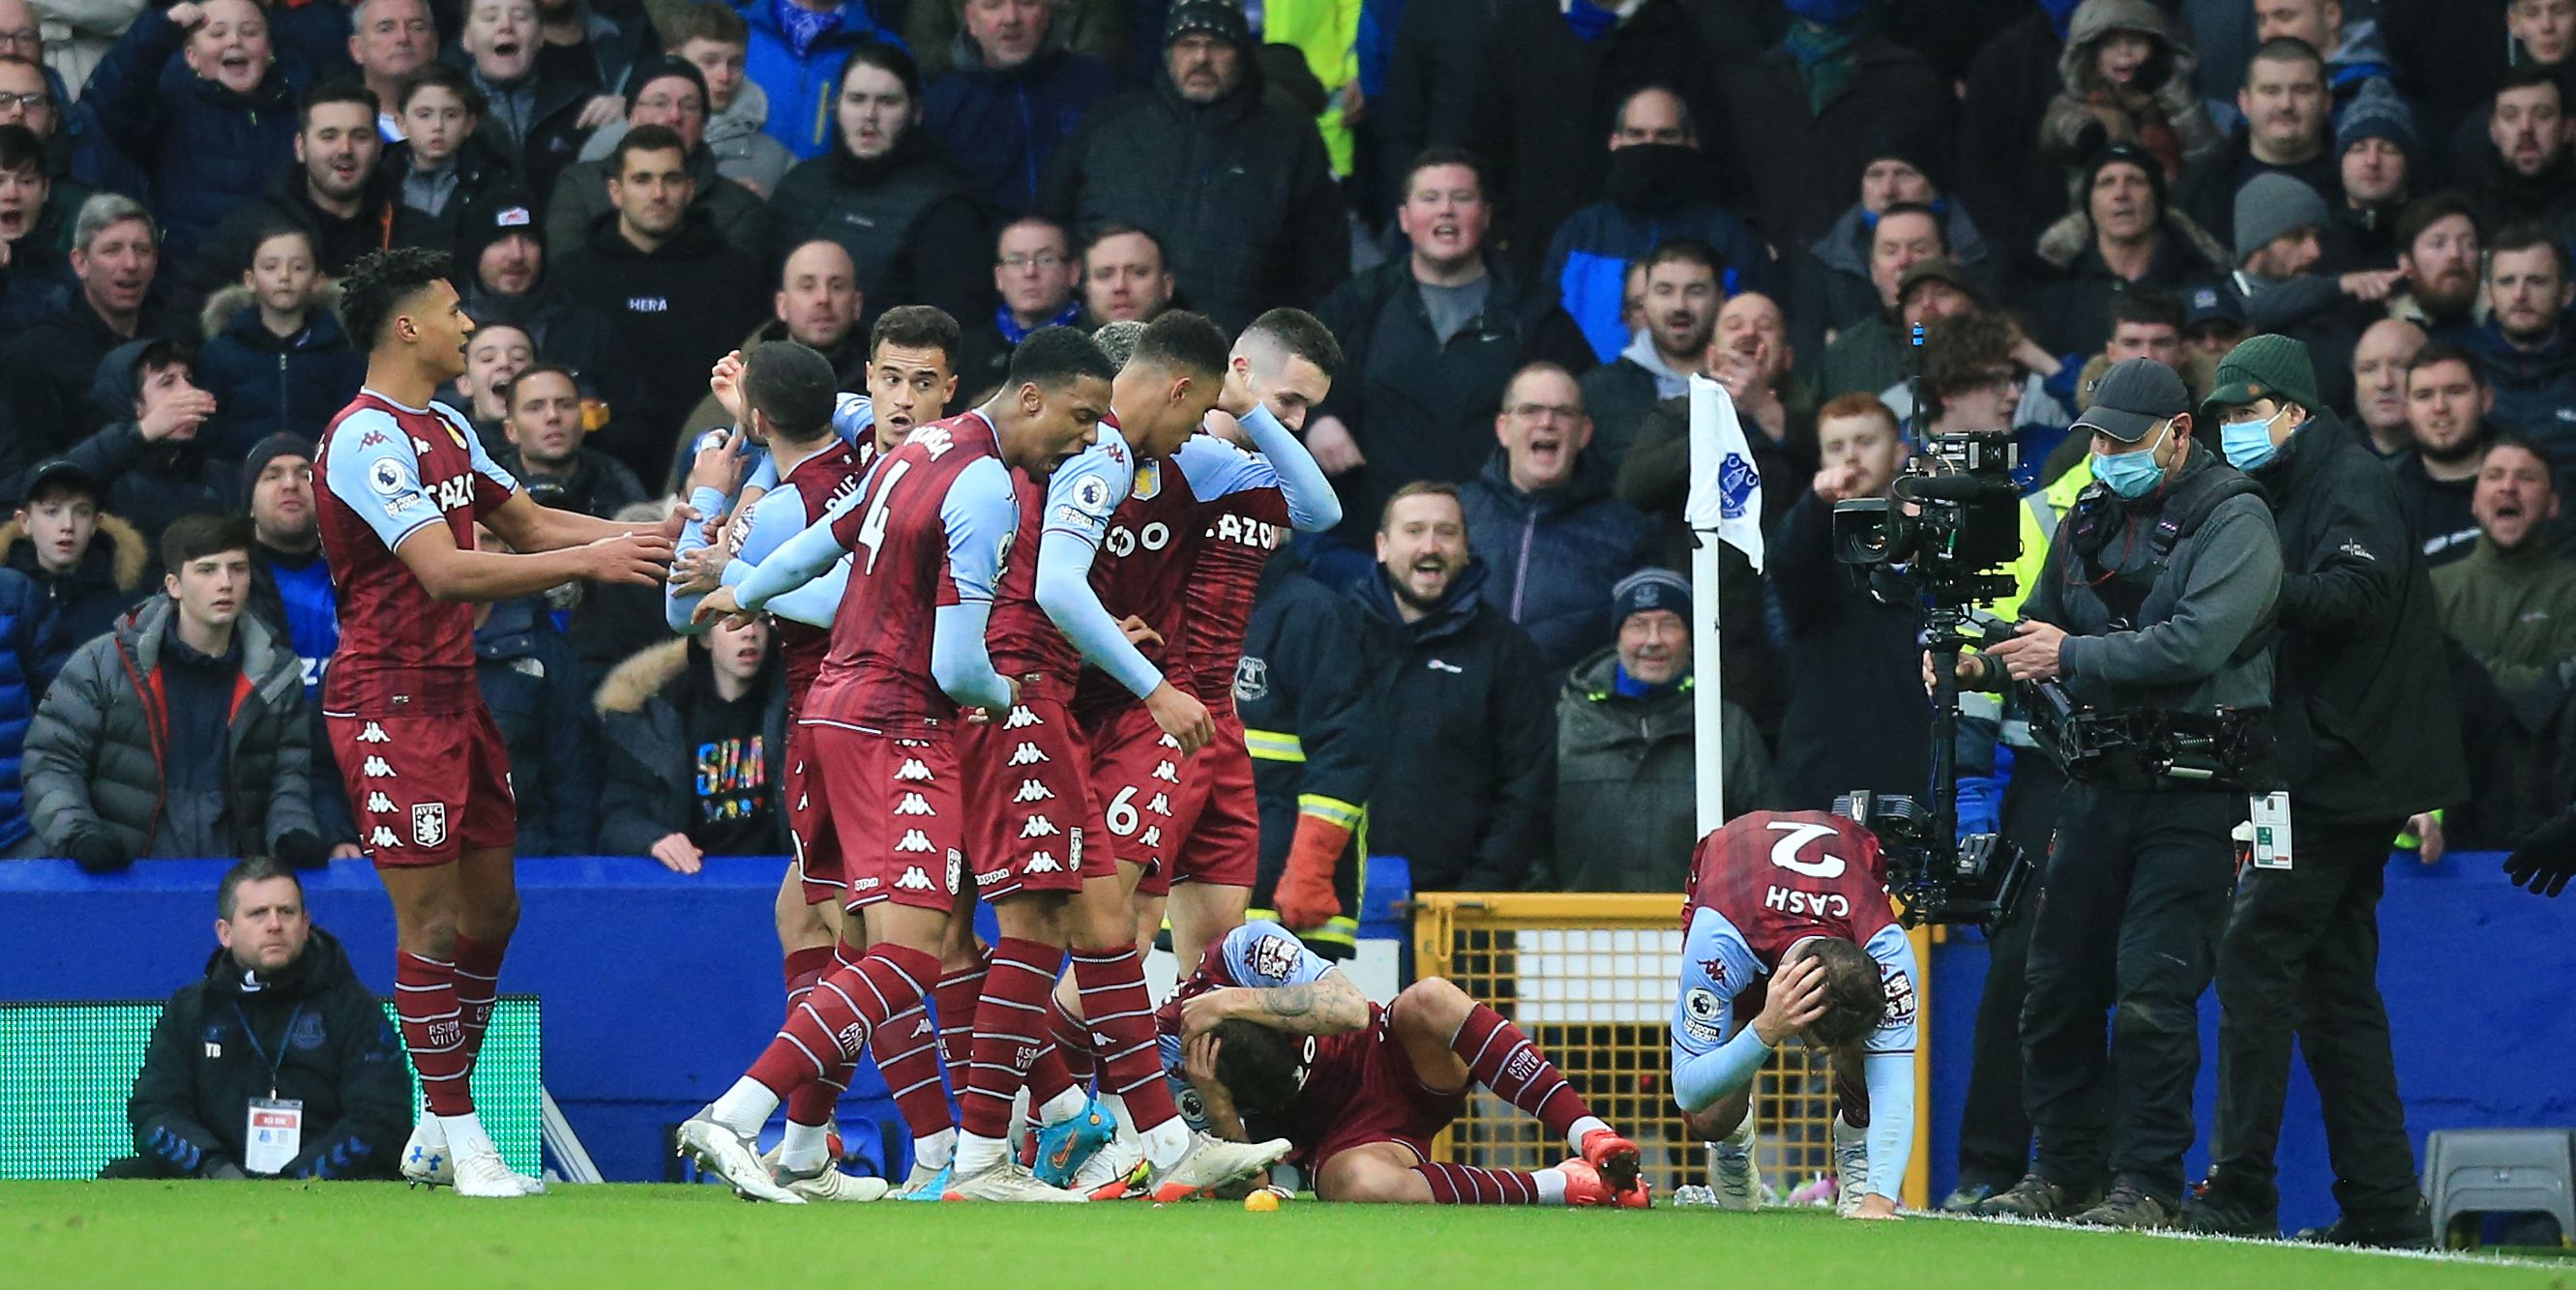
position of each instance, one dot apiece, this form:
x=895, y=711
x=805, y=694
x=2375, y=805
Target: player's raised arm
x=980, y=521
x=1279, y=983
x=1712, y=1057
x=797, y=561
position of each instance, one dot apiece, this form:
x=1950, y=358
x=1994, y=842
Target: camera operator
x=2153, y=605
x=2366, y=738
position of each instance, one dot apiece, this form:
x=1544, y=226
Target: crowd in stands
x=1528, y=222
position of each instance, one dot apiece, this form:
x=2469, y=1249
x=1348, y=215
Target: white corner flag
x=1725, y=486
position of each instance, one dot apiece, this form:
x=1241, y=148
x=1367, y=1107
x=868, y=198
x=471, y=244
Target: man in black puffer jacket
x=2367, y=737
x=279, y=1015
x=1256, y=221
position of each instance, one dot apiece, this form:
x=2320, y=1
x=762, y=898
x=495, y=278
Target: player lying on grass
x=1268, y=1038
x=1789, y=934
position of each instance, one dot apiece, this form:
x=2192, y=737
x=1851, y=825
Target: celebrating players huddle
x=1009, y=638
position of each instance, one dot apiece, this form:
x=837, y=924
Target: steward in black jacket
x=1301, y=690
x=335, y=1052
x=1467, y=732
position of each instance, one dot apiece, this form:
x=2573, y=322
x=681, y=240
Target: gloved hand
x=1305, y=898
x=301, y=849
x=96, y=850
x=2546, y=860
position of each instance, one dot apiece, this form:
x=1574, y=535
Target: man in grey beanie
x=2281, y=277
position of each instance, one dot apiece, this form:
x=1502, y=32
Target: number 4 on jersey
x=872, y=529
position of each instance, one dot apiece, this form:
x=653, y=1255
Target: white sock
x=935, y=1151
x=977, y=1153
x=804, y=1147
x=1063, y=1106
x=430, y=1131
x=1582, y=1129
x=1551, y=1186
x=1166, y=1143
x=744, y=1107
x=465, y=1135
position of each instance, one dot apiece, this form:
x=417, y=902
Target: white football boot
x=728, y=1155
x=1009, y=1180
x=1734, y=1176
x=1211, y=1163
x=425, y=1159
x=1851, y=1167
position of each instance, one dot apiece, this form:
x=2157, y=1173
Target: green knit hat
x=2265, y=367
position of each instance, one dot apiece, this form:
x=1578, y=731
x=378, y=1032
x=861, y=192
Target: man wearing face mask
x=2366, y=737
x=2156, y=601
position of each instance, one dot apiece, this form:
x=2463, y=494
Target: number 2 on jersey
x=1784, y=853
x=872, y=528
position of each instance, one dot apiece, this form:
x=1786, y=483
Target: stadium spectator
x=39, y=101
x=1659, y=191
x=1435, y=336
x=1104, y=31
x=692, y=731
x=2447, y=401
x=601, y=49
x=709, y=35
x=149, y=459
x=35, y=235
x=2013, y=191
x=45, y=382
x=1750, y=355
x=2522, y=172
x=671, y=93
x=1812, y=113
x=331, y=188
x=275, y=357
x=2510, y=605
x=2380, y=159
x=2144, y=324
x=675, y=293
x=2525, y=351
x=1850, y=656
x=1971, y=380
x=2366, y=736
x=290, y=586
x=889, y=197
x=1683, y=293
x=390, y=41
x=278, y=1017
x=535, y=116
x=1871, y=355
x=1034, y=274
x=2284, y=102
x=2282, y=280
x=1903, y=235
x=1014, y=94
x=795, y=57
x=2127, y=80
x=502, y=248
x=538, y=694
x=87, y=565
x=1842, y=282
x=546, y=454
x=181, y=733
x=22, y=682
x=2438, y=266
x=2379, y=387
x=2123, y=236
x=1265, y=227
x=1463, y=709
x=817, y=306
x=1125, y=277
x=495, y=352
x=1543, y=522
x=1301, y=691
x=445, y=171
x=208, y=135
x=1626, y=749
x=1547, y=87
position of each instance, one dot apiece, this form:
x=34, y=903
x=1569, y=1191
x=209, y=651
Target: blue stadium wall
x=660, y=988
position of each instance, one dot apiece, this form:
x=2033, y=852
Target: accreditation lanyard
x=273, y=1129
x=251, y=1033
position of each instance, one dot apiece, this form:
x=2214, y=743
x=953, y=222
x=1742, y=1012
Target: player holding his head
x=1789, y=934
x=406, y=479
x=930, y=533
x=1272, y=1038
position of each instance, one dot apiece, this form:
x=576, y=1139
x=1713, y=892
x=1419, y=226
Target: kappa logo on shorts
x=914, y=879
x=1523, y=1065
x=921, y=1027
x=1169, y=742
x=1027, y=755
x=915, y=840
x=377, y=768
x=1153, y=836
x=379, y=803
x=803, y=802
x=914, y=804
x=869, y=884
x=993, y=879
x=1022, y=719
x=1161, y=805
x=1167, y=772
x=429, y=823
x=913, y=771
x=1039, y=826
x=374, y=734
x=383, y=837
x=1032, y=791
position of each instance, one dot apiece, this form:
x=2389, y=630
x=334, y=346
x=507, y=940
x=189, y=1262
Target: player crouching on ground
x=1275, y=1041
x=1788, y=922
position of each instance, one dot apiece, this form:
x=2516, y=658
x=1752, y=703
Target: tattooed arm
x=1329, y=1005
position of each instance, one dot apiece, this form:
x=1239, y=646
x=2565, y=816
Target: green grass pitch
x=368, y=1235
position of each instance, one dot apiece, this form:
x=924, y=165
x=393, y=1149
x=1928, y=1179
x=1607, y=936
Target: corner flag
x=1725, y=488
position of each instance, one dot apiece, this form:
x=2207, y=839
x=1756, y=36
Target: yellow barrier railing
x=1590, y=977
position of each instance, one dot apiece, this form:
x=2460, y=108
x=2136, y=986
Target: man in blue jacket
x=1016, y=94
x=797, y=48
